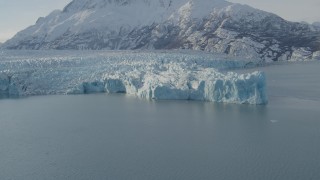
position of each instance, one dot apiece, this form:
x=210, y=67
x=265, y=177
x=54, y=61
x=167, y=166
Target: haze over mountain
x=316, y=24
x=209, y=25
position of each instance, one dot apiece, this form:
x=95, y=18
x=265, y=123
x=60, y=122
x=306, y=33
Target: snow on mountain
x=207, y=25
x=153, y=75
x=316, y=24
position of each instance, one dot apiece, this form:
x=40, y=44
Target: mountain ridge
x=214, y=26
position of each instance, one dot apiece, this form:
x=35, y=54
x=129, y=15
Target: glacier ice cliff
x=150, y=75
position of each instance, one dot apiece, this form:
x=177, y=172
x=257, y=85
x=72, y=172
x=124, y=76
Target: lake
x=119, y=137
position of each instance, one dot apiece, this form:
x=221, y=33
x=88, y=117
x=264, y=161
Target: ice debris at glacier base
x=153, y=75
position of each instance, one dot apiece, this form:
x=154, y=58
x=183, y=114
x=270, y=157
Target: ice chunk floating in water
x=154, y=75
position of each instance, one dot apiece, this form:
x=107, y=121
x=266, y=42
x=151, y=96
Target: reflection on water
x=121, y=137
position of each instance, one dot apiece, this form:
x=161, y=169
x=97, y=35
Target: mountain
x=316, y=24
x=208, y=25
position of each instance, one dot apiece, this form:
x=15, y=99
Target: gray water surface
x=118, y=137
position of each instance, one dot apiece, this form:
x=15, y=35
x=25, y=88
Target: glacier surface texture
x=180, y=75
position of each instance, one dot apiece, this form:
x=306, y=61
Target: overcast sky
x=16, y=15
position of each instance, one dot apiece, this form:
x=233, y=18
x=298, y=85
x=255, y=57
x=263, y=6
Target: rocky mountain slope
x=208, y=25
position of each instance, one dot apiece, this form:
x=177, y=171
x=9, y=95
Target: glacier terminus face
x=179, y=75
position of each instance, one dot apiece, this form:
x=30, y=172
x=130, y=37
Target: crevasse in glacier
x=150, y=75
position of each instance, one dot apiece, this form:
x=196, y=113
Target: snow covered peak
x=77, y=5
x=80, y=5
x=207, y=25
x=112, y=15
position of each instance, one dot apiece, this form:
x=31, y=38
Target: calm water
x=117, y=137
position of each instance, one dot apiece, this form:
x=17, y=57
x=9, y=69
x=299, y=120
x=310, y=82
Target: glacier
x=158, y=75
